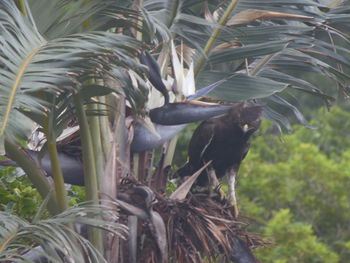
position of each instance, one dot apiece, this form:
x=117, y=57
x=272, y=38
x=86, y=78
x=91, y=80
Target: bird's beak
x=245, y=127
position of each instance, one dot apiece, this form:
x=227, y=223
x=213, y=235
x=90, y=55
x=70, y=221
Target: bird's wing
x=201, y=140
x=245, y=151
x=237, y=164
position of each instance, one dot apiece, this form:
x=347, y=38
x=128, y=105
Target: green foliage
x=297, y=186
x=295, y=242
x=55, y=235
x=333, y=136
x=182, y=144
x=76, y=195
x=19, y=197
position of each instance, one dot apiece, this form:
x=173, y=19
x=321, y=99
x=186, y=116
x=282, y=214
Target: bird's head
x=247, y=116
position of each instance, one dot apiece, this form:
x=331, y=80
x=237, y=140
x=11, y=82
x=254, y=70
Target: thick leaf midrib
x=15, y=87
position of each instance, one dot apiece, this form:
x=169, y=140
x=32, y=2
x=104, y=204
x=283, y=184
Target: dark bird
x=225, y=141
x=69, y=150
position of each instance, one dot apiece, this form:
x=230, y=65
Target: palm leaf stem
x=35, y=174
x=120, y=134
x=94, y=125
x=86, y=23
x=15, y=87
x=135, y=165
x=90, y=175
x=105, y=132
x=92, y=153
x=60, y=190
x=259, y=66
x=334, y=3
x=215, y=34
x=22, y=6
x=6, y=241
x=138, y=157
x=138, y=6
x=110, y=176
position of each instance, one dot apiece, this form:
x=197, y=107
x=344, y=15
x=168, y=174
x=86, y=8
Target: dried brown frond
x=199, y=229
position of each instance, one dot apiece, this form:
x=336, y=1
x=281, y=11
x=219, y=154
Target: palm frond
x=54, y=238
x=32, y=65
x=278, y=49
x=168, y=20
x=264, y=46
x=59, y=18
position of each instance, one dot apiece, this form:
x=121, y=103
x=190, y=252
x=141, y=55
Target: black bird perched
x=225, y=141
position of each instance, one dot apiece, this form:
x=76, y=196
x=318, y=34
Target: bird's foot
x=227, y=199
x=235, y=209
x=221, y=193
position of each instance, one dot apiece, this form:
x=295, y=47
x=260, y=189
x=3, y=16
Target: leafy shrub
x=299, y=183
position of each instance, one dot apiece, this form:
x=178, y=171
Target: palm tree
x=65, y=62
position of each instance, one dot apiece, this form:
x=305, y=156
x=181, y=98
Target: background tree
x=296, y=188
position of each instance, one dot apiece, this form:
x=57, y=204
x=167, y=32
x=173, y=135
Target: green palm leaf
x=54, y=238
x=59, y=18
x=279, y=46
x=34, y=69
x=278, y=50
